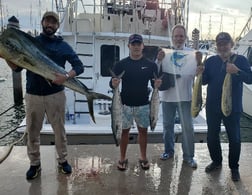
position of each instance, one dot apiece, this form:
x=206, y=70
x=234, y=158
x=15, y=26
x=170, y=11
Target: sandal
x=122, y=165
x=144, y=164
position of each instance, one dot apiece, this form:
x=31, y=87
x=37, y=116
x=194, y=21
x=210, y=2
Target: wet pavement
x=95, y=173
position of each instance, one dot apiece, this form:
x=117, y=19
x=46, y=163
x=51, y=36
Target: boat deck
x=95, y=172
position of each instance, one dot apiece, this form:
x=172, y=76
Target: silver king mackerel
x=116, y=111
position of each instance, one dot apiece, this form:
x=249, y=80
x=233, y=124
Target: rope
x=12, y=131
x=11, y=147
x=7, y=110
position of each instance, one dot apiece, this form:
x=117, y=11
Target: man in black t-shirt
x=138, y=71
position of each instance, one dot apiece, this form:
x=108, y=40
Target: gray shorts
x=139, y=113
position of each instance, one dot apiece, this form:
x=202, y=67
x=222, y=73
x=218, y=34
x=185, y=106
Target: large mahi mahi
x=226, y=96
x=197, y=96
x=24, y=50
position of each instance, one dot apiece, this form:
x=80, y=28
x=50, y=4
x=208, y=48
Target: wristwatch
x=67, y=76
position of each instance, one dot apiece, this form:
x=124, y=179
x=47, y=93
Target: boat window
x=109, y=57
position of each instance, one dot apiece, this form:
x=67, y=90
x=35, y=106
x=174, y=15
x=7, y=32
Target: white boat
x=99, y=34
x=244, y=47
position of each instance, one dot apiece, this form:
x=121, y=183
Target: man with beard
x=48, y=97
x=216, y=68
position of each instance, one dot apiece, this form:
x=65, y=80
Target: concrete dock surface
x=95, y=172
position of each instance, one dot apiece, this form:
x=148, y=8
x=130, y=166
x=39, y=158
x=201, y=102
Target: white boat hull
x=247, y=100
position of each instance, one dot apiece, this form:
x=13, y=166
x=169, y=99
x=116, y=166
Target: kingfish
x=116, y=111
x=154, y=107
x=226, y=97
x=25, y=51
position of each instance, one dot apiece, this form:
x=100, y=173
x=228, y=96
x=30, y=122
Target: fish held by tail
x=116, y=111
x=154, y=107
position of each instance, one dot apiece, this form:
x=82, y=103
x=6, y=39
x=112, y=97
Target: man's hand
x=198, y=56
x=160, y=55
x=59, y=79
x=115, y=82
x=157, y=82
x=11, y=65
x=232, y=68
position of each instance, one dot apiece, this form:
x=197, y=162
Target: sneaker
x=235, y=175
x=212, y=167
x=65, y=167
x=33, y=172
x=166, y=156
x=191, y=163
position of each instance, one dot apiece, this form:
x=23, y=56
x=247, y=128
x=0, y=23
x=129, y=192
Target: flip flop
x=144, y=164
x=122, y=165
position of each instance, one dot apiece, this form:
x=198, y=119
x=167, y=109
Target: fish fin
x=116, y=76
x=90, y=101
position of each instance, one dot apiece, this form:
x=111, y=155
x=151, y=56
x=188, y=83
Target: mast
x=1, y=15
x=247, y=27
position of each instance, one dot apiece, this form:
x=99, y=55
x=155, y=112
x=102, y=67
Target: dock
x=95, y=172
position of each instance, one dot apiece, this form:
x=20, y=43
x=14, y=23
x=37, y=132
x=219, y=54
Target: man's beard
x=49, y=31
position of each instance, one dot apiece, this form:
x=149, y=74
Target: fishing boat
x=99, y=32
x=243, y=46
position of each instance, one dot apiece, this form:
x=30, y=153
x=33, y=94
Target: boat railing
x=149, y=17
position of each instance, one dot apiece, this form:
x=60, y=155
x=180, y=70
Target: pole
x=17, y=88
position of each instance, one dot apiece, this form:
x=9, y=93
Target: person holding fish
x=224, y=74
x=138, y=72
x=44, y=97
x=181, y=62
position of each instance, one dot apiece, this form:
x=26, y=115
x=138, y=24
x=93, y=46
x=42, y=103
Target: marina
x=95, y=172
x=99, y=34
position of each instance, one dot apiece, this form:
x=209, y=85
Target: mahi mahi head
x=24, y=50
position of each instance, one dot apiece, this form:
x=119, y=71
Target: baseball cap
x=135, y=38
x=223, y=37
x=51, y=14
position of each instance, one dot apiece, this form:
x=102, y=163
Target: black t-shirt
x=135, y=80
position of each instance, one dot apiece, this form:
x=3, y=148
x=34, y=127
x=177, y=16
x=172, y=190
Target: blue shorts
x=141, y=115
